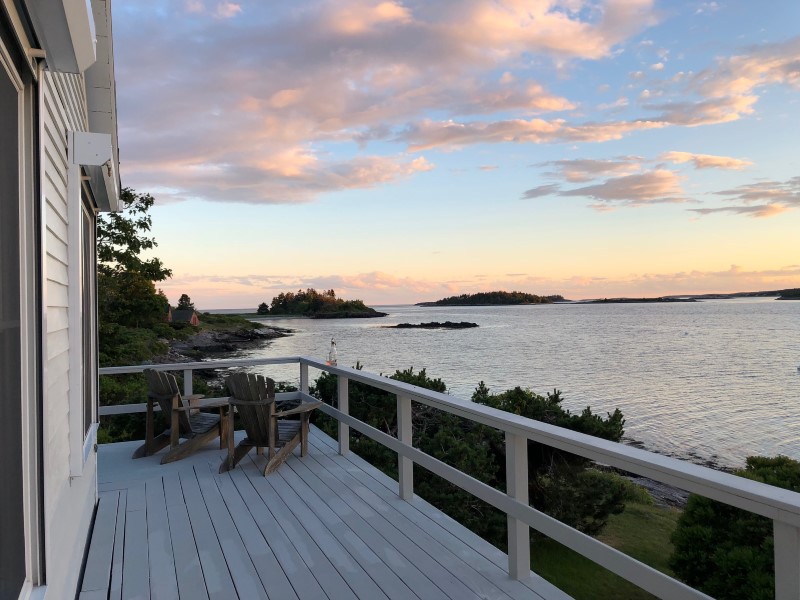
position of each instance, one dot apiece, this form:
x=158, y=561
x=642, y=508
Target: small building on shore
x=183, y=316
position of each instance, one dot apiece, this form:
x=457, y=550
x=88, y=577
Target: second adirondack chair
x=266, y=425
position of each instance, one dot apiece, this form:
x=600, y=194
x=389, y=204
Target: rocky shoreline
x=205, y=343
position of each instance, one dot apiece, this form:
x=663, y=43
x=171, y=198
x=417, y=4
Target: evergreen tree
x=185, y=303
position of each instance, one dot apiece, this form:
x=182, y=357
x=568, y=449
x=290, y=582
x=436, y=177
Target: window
x=12, y=538
x=89, y=297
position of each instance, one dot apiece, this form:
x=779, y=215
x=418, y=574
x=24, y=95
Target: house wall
x=69, y=498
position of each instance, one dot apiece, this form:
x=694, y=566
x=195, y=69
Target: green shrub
x=727, y=552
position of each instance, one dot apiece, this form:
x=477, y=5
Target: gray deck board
x=379, y=559
x=240, y=561
x=389, y=547
x=135, y=566
x=447, y=531
x=457, y=574
x=219, y=583
x=97, y=575
x=304, y=579
x=163, y=581
x=115, y=591
x=188, y=571
x=322, y=527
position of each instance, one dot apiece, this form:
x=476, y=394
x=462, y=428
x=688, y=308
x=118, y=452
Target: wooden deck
x=325, y=526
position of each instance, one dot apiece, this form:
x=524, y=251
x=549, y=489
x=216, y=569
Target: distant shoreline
x=250, y=314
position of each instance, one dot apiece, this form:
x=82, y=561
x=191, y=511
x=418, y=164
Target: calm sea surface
x=710, y=381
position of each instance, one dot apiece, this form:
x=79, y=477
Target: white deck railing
x=782, y=506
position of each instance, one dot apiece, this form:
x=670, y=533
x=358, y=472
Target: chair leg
x=225, y=427
x=282, y=455
x=189, y=446
x=148, y=430
x=229, y=462
x=304, y=435
x=156, y=444
x=174, y=430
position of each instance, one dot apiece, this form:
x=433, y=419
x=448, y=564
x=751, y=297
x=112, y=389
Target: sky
x=399, y=152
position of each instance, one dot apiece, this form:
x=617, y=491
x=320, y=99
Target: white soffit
x=65, y=30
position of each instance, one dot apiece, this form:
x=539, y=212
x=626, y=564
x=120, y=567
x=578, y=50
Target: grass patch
x=641, y=531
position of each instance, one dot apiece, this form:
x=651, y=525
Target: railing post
x=519, y=537
x=344, y=407
x=405, y=466
x=187, y=382
x=787, y=561
x=304, y=377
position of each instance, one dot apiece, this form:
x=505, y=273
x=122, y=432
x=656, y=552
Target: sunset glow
x=405, y=151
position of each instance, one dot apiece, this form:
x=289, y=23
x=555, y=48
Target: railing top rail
x=776, y=503
x=210, y=364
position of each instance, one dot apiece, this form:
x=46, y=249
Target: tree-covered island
x=317, y=305
x=792, y=294
x=494, y=299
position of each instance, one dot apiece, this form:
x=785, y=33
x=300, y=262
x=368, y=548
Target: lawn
x=641, y=531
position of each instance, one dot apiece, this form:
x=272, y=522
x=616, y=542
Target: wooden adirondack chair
x=185, y=420
x=253, y=397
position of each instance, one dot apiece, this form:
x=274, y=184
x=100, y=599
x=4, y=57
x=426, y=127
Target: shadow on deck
x=325, y=526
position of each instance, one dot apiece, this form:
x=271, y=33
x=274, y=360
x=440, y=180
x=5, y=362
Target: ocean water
x=709, y=381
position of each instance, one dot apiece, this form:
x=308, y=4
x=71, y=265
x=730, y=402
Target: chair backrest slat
x=254, y=397
x=162, y=387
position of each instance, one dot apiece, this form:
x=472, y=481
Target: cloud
x=760, y=199
x=707, y=8
x=378, y=287
x=580, y=170
x=226, y=10
x=757, y=210
x=706, y=161
x=452, y=134
x=543, y=190
x=621, y=102
x=711, y=111
x=282, y=179
x=741, y=74
x=659, y=66
x=656, y=186
x=293, y=82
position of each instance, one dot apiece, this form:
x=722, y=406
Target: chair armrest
x=205, y=403
x=304, y=407
x=233, y=401
x=194, y=399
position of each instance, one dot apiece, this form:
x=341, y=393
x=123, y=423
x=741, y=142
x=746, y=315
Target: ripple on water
x=712, y=379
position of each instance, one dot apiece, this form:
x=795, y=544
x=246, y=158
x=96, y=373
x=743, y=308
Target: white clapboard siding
x=69, y=502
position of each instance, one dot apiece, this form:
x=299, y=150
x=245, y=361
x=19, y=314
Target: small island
x=316, y=305
x=792, y=294
x=494, y=299
x=636, y=300
x=433, y=325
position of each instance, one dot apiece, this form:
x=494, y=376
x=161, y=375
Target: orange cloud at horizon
x=211, y=291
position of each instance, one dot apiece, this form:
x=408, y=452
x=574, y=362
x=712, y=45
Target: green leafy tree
x=131, y=311
x=726, y=552
x=263, y=309
x=127, y=295
x=122, y=238
x=185, y=303
x=311, y=303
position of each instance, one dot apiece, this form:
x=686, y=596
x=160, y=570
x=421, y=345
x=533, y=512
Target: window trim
x=82, y=441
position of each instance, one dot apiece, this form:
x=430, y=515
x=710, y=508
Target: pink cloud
x=706, y=161
x=656, y=186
